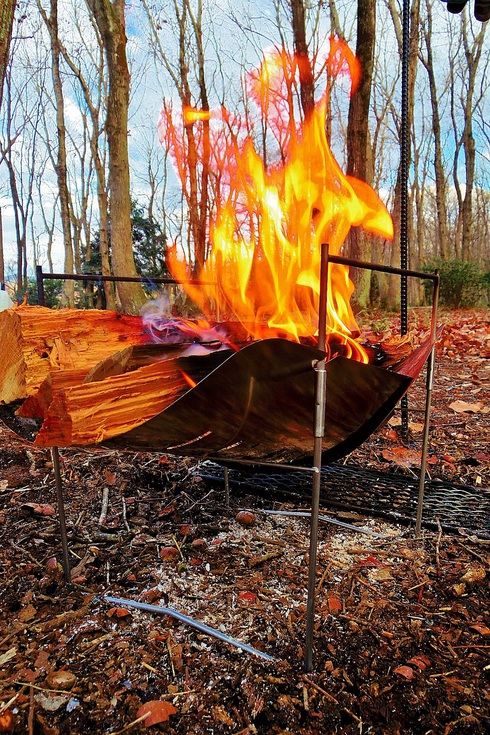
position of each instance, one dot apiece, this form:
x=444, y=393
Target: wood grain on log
x=38, y=342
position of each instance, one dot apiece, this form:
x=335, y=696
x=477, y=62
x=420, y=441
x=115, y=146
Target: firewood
x=94, y=412
x=38, y=343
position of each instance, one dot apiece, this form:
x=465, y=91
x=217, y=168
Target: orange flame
x=270, y=221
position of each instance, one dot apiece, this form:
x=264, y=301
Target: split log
x=92, y=413
x=55, y=348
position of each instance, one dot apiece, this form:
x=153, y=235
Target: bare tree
x=359, y=152
x=440, y=175
x=110, y=21
x=51, y=22
x=6, y=24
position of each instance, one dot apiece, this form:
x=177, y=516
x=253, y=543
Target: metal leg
x=55, y=455
x=425, y=444
x=227, y=486
x=319, y=431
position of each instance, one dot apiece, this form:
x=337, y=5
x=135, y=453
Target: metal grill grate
x=388, y=496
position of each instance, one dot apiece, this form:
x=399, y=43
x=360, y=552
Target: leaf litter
x=401, y=638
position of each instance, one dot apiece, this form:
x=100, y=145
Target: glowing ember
x=270, y=221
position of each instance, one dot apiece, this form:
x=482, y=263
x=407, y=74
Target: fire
x=270, y=220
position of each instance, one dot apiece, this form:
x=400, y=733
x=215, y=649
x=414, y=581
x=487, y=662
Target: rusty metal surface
x=259, y=405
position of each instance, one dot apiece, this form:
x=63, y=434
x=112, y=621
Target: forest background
x=86, y=185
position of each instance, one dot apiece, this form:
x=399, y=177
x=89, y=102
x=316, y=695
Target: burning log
x=192, y=399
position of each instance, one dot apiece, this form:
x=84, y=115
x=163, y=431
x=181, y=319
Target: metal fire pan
x=259, y=405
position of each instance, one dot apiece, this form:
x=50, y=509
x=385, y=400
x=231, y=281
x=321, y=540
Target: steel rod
x=318, y=431
x=227, y=486
x=188, y=621
x=381, y=268
x=428, y=403
x=55, y=456
x=122, y=279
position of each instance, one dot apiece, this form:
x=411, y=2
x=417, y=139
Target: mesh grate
x=350, y=488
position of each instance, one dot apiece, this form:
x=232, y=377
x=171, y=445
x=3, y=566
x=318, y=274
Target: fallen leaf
x=118, y=612
x=481, y=628
x=4, y=657
x=27, y=613
x=334, y=604
x=246, y=518
x=462, y=407
x=6, y=721
x=405, y=671
x=420, y=661
x=156, y=711
x=474, y=574
x=50, y=702
x=169, y=553
x=62, y=679
x=42, y=508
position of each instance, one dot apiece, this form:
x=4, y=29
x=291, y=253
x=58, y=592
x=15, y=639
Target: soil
x=402, y=629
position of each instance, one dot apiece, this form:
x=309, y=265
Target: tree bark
x=6, y=24
x=61, y=166
x=359, y=153
x=306, y=78
x=109, y=17
x=440, y=178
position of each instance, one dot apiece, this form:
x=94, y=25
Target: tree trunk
x=61, y=167
x=359, y=153
x=6, y=23
x=109, y=17
x=440, y=177
x=306, y=79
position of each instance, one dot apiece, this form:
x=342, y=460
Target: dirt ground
x=402, y=629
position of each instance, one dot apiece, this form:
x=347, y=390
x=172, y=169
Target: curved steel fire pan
x=258, y=404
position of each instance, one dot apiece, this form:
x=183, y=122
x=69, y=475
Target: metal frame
x=318, y=419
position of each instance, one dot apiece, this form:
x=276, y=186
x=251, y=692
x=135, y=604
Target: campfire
x=243, y=386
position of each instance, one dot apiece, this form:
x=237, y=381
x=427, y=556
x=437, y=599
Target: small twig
x=473, y=553
x=130, y=725
x=169, y=649
x=177, y=545
x=125, y=520
x=8, y=704
x=29, y=555
x=331, y=698
x=438, y=542
x=105, y=505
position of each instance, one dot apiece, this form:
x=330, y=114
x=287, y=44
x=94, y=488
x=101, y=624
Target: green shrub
x=461, y=282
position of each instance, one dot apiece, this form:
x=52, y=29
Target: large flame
x=270, y=221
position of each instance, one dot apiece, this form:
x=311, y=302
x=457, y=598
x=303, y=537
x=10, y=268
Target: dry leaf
x=27, y=613
x=6, y=721
x=474, y=574
x=156, y=711
x=420, y=661
x=50, y=702
x=118, y=612
x=405, y=671
x=4, y=657
x=481, y=628
x=61, y=679
x=462, y=406
x=334, y=604
x=42, y=508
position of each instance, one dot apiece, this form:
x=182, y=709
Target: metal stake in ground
x=55, y=456
x=319, y=431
